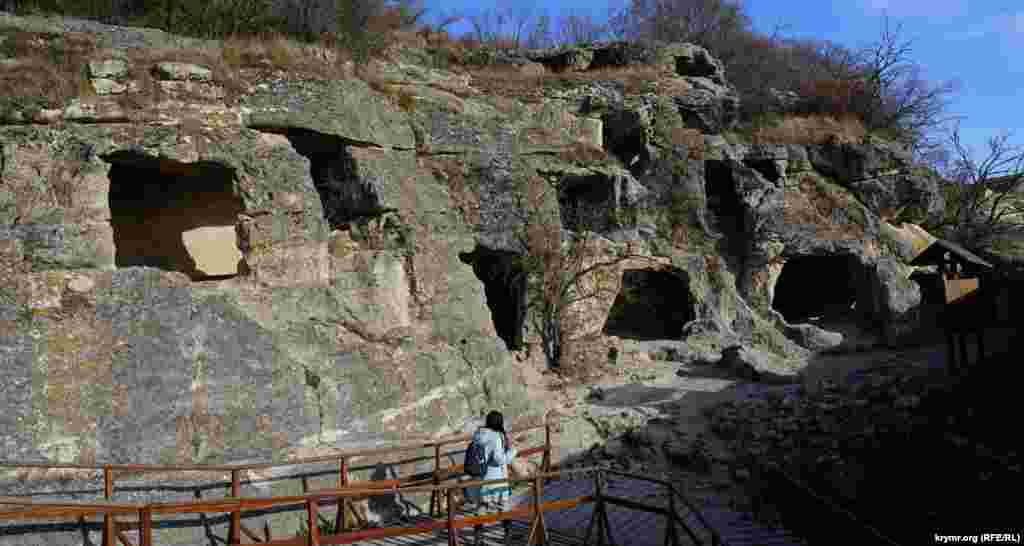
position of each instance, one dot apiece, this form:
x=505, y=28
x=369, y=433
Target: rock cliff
x=205, y=262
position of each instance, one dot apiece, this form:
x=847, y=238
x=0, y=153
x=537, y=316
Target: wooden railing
x=538, y=533
x=346, y=491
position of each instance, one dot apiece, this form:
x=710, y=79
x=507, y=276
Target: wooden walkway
x=637, y=528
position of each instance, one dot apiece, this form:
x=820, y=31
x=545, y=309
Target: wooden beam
x=235, y=535
x=146, y=533
x=314, y=529
x=451, y=521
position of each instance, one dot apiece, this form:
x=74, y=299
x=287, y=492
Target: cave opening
x=625, y=137
x=585, y=203
x=505, y=285
x=933, y=291
x=651, y=305
x=345, y=194
x=818, y=289
x=723, y=201
x=174, y=216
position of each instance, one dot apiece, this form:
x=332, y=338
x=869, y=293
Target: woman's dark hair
x=495, y=421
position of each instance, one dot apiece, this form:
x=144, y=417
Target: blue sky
x=979, y=43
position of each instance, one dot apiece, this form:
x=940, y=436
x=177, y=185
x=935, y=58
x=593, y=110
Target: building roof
x=933, y=255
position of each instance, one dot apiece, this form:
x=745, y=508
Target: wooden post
x=600, y=512
x=541, y=528
x=435, y=497
x=452, y=541
x=546, y=465
x=671, y=536
x=146, y=527
x=109, y=527
x=235, y=535
x=314, y=530
x=339, y=519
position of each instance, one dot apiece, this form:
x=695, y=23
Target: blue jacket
x=497, y=457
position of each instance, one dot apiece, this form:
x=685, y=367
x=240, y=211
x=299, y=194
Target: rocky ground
x=874, y=430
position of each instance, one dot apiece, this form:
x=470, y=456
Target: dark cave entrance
x=505, y=288
x=174, y=216
x=625, y=136
x=818, y=289
x=723, y=201
x=933, y=292
x=345, y=193
x=586, y=202
x=651, y=305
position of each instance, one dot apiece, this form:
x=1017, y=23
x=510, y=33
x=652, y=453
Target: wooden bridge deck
x=636, y=528
x=629, y=527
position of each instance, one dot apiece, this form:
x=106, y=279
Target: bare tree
x=985, y=201
x=540, y=34
x=566, y=268
x=699, y=21
x=900, y=99
x=519, y=19
x=576, y=29
x=488, y=26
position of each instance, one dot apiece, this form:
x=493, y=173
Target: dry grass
x=46, y=70
x=396, y=94
x=509, y=81
x=813, y=129
x=815, y=205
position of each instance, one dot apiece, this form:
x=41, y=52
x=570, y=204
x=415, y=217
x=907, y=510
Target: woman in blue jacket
x=499, y=453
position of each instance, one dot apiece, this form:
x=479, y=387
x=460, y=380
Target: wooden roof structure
x=942, y=251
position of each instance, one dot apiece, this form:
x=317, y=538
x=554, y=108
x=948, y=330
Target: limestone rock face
x=253, y=271
x=881, y=175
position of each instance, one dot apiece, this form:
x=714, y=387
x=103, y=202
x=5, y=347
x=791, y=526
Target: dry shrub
x=396, y=94
x=815, y=205
x=812, y=129
x=47, y=69
x=834, y=97
x=275, y=51
x=388, y=22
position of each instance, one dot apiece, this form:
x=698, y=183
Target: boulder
x=710, y=106
x=105, y=86
x=182, y=72
x=882, y=175
x=113, y=69
x=571, y=59
x=692, y=60
x=811, y=337
x=757, y=365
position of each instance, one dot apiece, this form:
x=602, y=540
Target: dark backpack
x=475, y=465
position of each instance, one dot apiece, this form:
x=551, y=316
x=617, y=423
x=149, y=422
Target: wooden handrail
x=231, y=504
x=311, y=502
x=235, y=503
